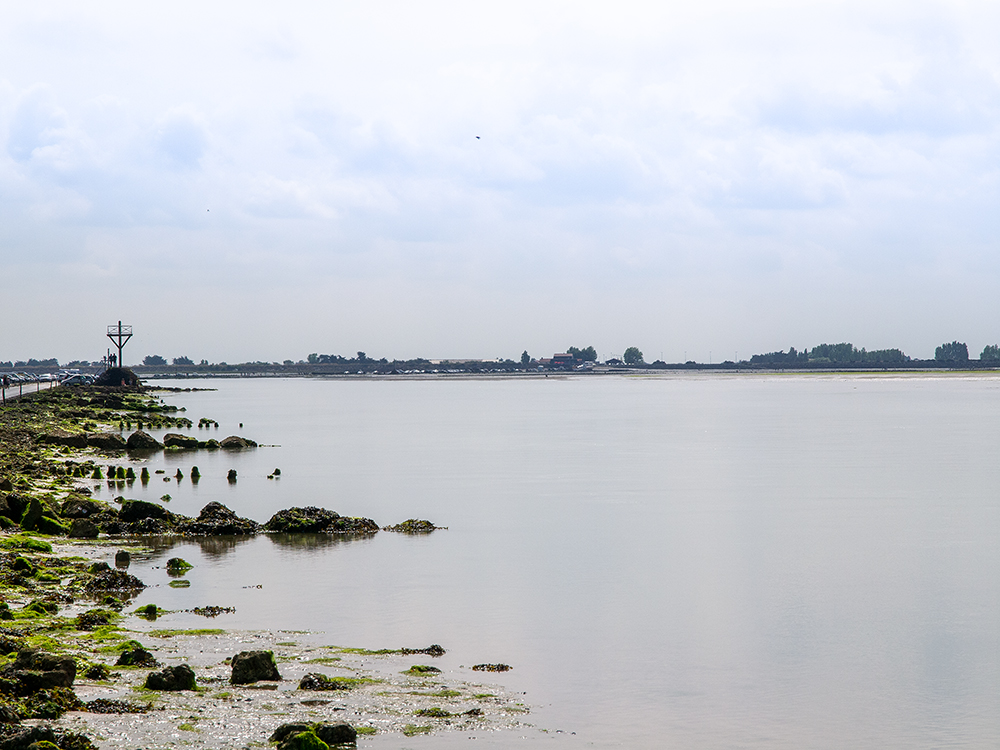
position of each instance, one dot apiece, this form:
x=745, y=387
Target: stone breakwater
x=83, y=669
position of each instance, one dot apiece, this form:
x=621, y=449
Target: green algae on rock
x=313, y=520
x=178, y=566
x=422, y=669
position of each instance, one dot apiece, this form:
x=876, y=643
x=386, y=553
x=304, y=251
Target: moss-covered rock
x=35, y=670
x=290, y=736
x=136, y=657
x=32, y=514
x=315, y=520
x=235, y=442
x=177, y=440
x=114, y=580
x=148, y=612
x=94, y=618
x=50, y=703
x=41, y=608
x=216, y=519
x=178, y=566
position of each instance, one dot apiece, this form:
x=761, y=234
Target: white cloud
x=728, y=155
x=181, y=137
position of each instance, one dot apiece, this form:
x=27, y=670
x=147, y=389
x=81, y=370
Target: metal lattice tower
x=119, y=334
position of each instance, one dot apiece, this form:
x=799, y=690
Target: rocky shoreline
x=84, y=669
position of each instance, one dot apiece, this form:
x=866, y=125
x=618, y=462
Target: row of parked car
x=62, y=377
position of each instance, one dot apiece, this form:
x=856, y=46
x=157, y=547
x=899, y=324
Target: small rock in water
x=122, y=559
x=148, y=612
x=178, y=566
x=231, y=476
x=317, y=681
x=213, y=611
x=412, y=526
x=491, y=668
x=432, y=650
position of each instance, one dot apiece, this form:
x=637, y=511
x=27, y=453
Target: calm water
x=688, y=562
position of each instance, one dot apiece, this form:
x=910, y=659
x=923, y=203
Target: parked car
x=78, y=380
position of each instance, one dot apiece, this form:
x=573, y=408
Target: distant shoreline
x=467, y=369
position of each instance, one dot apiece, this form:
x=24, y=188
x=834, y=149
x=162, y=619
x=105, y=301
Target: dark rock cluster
x=216, y=519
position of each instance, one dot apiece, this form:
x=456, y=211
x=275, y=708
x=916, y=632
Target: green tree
x=956, y=351
x=632, y=356
x=313, y=358
x=153, y=360
x=525, y=358
x=990, y=353
x=587, y=354
x=182, y=361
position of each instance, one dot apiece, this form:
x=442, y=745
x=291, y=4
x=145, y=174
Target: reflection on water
x=210, y=546
x=315, y=542
x=220, y=546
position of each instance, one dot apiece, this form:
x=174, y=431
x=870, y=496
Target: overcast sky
x=244, y=181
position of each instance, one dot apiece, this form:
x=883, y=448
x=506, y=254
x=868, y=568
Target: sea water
x=748, y=561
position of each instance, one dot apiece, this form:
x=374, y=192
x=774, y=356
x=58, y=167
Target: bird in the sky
x=477, y=137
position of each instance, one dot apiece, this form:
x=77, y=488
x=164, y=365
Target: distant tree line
x=835, y=354
x=847, y=354
x=31, y=363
